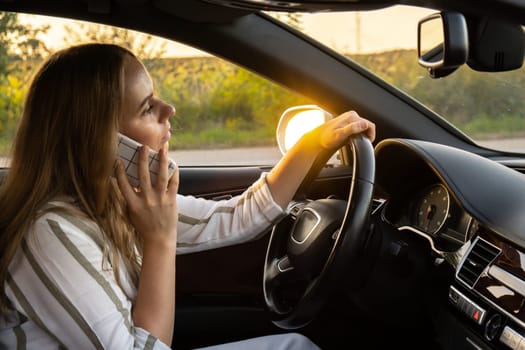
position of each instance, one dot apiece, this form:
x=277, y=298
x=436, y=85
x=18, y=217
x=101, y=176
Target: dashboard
x=471, y=210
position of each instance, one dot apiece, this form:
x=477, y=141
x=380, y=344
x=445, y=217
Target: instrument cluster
x=433, y=212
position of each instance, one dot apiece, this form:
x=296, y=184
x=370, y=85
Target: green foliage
x=489, y=127
x=220, y=104
x=223, y=137
x=11, y=99
x=18, y=43
x=480, y=104
x=19, y=53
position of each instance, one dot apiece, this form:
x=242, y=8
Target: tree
x=145, y=46
x=20, y=52
x=18, y=43
x=293, y=19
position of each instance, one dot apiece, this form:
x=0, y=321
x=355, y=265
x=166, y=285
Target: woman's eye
x=148, y=109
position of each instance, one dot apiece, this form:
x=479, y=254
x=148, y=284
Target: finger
x=366, y=127
x=173, y=185
x=162, y=177
x=358, y=125
x=122, y=180
x=371, y=131
x=143, y=168
x=349, y=117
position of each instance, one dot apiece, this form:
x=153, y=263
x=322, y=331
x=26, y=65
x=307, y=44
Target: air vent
x=478, y=258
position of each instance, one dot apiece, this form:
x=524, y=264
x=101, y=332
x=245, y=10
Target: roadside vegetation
x=482, y=108
x=222, y=105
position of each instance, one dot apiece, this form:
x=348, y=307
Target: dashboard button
x=477, y=315
x=453, y=296
x=466, y=306
x=493, y=326
x=510, y=337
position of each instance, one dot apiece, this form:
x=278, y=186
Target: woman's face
x=145, y=117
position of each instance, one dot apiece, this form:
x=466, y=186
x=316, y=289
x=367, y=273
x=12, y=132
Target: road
x=232, y=156
x=512, y=145
x=270, y=155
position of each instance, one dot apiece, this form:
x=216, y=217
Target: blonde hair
x=66, y=145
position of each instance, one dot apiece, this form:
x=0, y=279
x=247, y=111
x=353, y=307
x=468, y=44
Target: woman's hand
x=335, y=132
x=152, y=209
x=287, y=175
x=153, y=213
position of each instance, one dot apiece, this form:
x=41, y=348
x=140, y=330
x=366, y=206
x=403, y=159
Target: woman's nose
x=168, y=111
x=172, y=110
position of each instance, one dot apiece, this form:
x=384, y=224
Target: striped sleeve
x=206, y=224
x=56, y=281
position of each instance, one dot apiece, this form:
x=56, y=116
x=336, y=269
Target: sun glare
x=300, y=125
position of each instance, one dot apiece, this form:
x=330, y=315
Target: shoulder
x=60, y=223
x=56, y=247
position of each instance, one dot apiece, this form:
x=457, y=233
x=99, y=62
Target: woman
x=88, y=261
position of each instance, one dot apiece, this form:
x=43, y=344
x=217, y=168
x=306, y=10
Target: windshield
x=488, y=107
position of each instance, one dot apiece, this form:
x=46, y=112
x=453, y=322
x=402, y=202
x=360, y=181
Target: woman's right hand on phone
x=152, y=208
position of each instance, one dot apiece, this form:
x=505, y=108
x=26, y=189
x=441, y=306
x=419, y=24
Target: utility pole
x=358, y=32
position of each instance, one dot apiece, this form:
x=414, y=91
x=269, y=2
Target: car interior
x=416, y=240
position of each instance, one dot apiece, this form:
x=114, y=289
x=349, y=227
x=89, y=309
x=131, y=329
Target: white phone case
x=128, y=151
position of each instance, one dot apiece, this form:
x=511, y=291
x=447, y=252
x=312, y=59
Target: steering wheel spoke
x=279, y=270
x=280, y=277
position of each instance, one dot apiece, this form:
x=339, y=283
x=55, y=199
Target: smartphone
x=128, y=151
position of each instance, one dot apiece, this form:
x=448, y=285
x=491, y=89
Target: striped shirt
x=62, y=297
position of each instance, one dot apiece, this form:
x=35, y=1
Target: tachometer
x=432, y=209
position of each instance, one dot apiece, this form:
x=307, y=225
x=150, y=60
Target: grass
x=221, y=138
x=485, y=127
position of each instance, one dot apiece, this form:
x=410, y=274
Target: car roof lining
x=507, y=9
x=203, y=11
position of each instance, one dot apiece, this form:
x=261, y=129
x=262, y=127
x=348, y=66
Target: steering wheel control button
x=466, y=306
x=511, y=338
x=284, y=264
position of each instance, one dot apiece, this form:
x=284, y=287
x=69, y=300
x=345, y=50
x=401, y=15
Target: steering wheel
x=317, y=244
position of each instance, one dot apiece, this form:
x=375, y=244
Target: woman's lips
x=166, y=137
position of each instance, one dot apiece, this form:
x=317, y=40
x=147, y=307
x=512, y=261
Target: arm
x=287, y=175
x=153, y=213
x=206, y=224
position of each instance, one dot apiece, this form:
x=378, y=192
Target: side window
x=226, y=115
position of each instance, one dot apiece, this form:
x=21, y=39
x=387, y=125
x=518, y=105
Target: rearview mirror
x=442, y=43
x=488, y=52
x=297, y=121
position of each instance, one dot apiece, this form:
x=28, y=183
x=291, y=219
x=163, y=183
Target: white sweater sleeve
x=64, y=296
x=207, y=224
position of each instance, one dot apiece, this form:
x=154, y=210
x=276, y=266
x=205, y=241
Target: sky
x=345, y=32
x=339, y=30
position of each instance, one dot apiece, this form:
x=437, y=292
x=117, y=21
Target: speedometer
x=432, y=209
